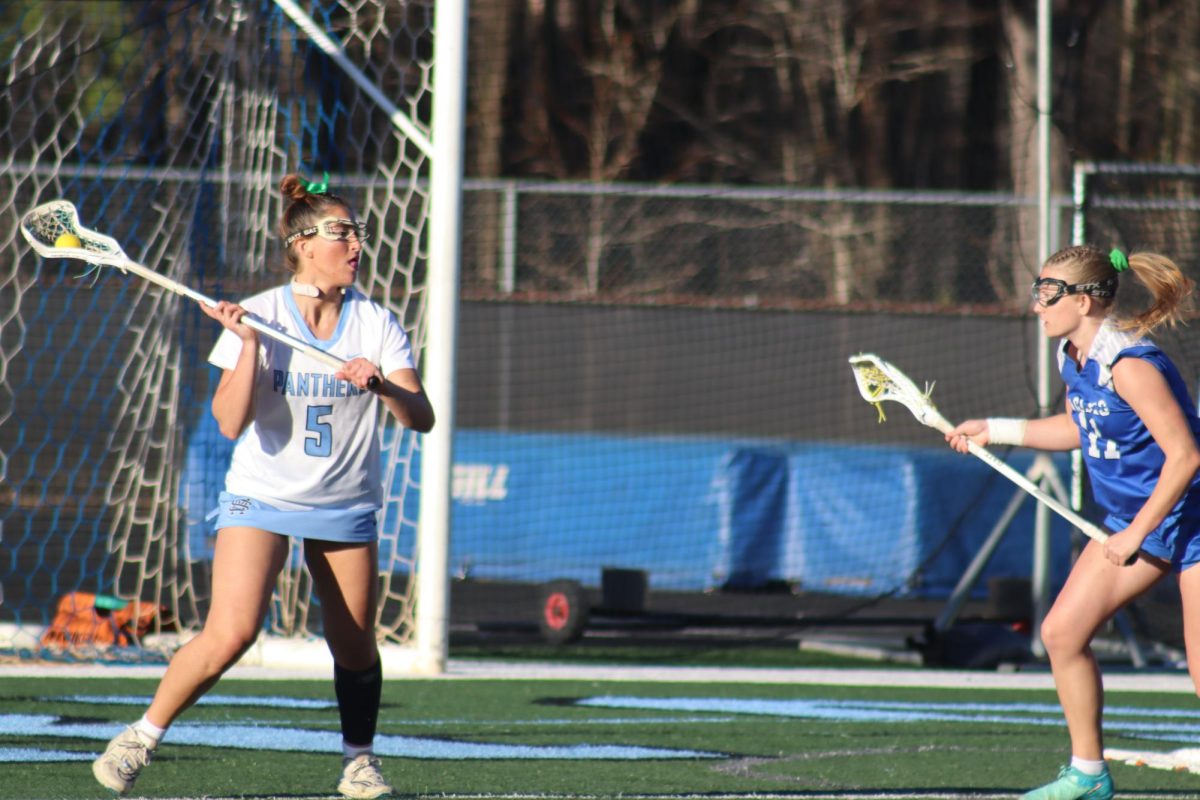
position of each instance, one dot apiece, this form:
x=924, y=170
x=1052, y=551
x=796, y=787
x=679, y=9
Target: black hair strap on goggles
x=1048, y=291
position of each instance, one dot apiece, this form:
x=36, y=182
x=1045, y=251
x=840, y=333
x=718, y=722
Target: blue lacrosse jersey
x=1123, y=461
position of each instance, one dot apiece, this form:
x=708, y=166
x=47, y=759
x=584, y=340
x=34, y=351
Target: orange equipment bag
x=83, y=618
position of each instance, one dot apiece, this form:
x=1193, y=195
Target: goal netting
x=1145, y=207
x=169, y=126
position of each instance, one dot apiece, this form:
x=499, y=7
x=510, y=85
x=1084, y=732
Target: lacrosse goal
x=169, y=126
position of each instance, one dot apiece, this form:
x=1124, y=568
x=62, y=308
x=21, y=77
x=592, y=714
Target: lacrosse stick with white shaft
x=53, y=230
x=878, y=381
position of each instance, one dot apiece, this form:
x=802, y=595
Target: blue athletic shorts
x=326, y=524
x=1176, y=540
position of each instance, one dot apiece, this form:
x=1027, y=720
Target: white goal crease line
x=280, y=658
x=474, y=670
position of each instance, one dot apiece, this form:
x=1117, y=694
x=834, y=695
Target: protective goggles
x=1048, y=291
x=335, y=229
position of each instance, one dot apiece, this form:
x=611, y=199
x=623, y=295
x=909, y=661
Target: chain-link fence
x=743, y=247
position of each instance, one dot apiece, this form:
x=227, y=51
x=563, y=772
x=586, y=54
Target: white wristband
x=1006, y=430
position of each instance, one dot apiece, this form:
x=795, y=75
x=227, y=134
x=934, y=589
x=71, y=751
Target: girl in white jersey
x=1129, y=411
x=306, y=464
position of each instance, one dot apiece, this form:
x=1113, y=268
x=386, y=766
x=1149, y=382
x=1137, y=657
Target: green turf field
x=587, y=738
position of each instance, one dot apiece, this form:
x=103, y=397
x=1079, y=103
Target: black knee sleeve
x=358, y=701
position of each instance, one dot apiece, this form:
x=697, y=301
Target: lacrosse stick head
x=879, y=381
x=43, y=226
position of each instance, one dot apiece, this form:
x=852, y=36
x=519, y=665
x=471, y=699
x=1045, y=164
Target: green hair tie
x=1119, y=261
x=317, y=188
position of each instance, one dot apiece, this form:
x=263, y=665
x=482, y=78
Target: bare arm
x=233, y=401
x=401, y=392
x=1045, y=433
x=404, y=396
x=1058, y=432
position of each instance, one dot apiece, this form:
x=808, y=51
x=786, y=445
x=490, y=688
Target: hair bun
x=293, y=187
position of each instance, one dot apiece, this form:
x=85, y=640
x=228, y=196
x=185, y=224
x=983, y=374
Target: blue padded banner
x=704, y=514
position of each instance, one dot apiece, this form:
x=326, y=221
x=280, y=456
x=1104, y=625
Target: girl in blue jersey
x=306, y=464
x=1128, y=409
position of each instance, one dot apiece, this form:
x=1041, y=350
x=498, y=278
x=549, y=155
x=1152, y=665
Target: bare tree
x=1016, y=246
x=491, y=35
x=826, y=119
x=843, y=94
x=1172, y=49
x=594, y=92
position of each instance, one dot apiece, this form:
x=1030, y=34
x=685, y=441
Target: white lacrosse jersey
x=313, y=442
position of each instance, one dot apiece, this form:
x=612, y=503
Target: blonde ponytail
x=1170, y=290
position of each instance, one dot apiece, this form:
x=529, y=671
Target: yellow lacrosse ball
x=67, y=240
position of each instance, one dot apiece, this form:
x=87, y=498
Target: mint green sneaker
x=1073, y=785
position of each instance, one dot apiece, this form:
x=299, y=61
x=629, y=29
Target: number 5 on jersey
x=319, y=441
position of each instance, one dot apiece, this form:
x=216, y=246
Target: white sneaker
x=361, y=778
x=123, y=760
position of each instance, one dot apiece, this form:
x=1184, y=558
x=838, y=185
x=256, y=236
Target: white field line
x=295, y=667
x=282, y=658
